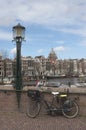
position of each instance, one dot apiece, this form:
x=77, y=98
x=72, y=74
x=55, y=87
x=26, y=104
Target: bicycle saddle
x=55, y=93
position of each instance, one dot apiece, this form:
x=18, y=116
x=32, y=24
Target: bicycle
x=60, y=102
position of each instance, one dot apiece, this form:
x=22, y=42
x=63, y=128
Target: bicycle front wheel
x=33, y=108
x=70, y=111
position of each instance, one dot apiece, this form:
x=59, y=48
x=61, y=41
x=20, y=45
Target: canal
x=67, y=80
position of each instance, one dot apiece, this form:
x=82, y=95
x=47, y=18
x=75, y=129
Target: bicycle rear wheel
x=71, y=110
x=33, y=108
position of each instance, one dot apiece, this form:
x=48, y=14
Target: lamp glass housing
x=18, y=32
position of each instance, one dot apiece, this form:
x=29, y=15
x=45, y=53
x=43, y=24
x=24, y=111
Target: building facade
x=39, y=67
x=1, y=69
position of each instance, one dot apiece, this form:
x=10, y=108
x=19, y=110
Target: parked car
x=80, y=84
x=53, y=84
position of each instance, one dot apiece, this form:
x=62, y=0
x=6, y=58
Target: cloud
x=62, y=15
x=60, y=42
x=40, y=50
x=13, y=51
x=4, y=35
x=42, y=12
x=79, y=31
x=59, y=48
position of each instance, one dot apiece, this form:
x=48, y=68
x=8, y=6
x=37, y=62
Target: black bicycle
x=59, y=103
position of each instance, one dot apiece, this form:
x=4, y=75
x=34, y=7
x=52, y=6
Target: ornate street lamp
x=18, y=37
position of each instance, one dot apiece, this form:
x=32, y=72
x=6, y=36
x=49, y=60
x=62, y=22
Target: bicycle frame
x=51, y=107
x=60, y=107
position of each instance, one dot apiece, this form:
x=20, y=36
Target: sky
x=57, y=24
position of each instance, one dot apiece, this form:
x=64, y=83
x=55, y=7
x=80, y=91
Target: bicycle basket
x=34, y=94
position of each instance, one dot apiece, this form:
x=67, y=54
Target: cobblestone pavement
x=20, y=121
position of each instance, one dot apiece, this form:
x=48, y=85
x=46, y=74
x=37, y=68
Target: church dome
x=52, y=55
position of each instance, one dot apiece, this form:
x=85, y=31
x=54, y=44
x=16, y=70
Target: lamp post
x=18, y=37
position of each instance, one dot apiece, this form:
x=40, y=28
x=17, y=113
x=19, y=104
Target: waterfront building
x=39, y=67
x=52, y=63
x=83, y=65
x=8, y=68
x=1, y=69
